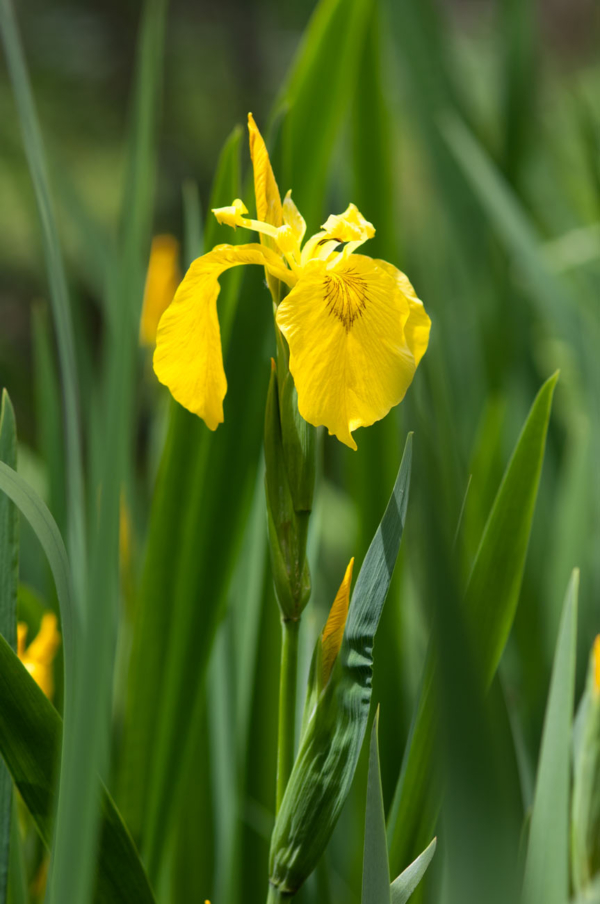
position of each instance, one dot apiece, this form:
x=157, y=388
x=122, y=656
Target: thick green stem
x=287, y=704
x=274, y=897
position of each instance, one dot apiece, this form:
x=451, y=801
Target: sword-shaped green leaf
x=490, y=605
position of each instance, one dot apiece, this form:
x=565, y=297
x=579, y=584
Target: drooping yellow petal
x=188, y=356
x=418, y=325
x=39, y=655
x=349, y=226
x=349, y=354
x=268, y=199
x=333, y=632
x=162, y=280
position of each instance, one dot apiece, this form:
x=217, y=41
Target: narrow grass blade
x=547, y=866
x=327, y=57
x=376, y=870
x=30, y=732
x=9, y=580
x=491, y=599
x=407, y=881
x=86, y=745
x=331, y=744
x=34, y=149
x=183, y=456
x=514, y=227
x=17, y=875
x=34, y=509
x=48, y=414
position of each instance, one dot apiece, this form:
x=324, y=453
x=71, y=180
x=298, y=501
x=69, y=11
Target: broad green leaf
x=329, y=749
x=315, y=97
x=547, y=866
x=376, y=870
x=407, y=881
x=30, y=733
x=9, y=581
x=491, y=599
x=493, y=590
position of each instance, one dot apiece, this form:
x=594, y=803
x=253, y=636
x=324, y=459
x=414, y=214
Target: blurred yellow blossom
x=162, y=280
x=39, y=655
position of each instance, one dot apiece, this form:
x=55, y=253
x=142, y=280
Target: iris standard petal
x=349, y=354
x=349, y=226
x=418, y=325
x=268, y=199
x=188, y=356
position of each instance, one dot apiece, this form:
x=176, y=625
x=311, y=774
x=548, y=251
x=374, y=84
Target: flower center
x=345, y=296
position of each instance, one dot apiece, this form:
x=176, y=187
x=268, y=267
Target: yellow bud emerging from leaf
x=333, y=632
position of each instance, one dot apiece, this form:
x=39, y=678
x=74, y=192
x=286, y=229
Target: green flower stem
x=275, y=896
x=287, y=704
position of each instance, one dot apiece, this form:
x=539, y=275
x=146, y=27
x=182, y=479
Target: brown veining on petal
x=346, y=296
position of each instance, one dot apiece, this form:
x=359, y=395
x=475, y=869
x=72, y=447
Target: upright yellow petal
x=293, y=218
x=162, y=280
x=418, y=325
x=349, y=353
x=268, y=199
x=349, y=226
x=333, y=632
x=188, y=356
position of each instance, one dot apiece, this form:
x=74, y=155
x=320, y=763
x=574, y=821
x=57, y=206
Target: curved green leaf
x=407, y=881
x=30, y=735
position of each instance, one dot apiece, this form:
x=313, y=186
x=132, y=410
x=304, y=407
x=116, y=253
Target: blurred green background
x=469, y=134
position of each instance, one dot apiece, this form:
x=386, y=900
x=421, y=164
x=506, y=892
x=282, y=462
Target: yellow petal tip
x=333, y=632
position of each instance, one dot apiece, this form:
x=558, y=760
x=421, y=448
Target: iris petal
x=188, y=356
x=350, y=356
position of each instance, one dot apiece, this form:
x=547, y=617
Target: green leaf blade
x=9, y=580
x=547, y=866
x=403, y=887
x=490, y=606
x=376, y=870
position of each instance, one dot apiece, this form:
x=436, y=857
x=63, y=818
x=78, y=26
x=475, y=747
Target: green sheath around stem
x=287, y=704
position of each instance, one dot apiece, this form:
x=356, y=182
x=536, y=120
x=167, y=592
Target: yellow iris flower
x=39, y=655
x=355, y=328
